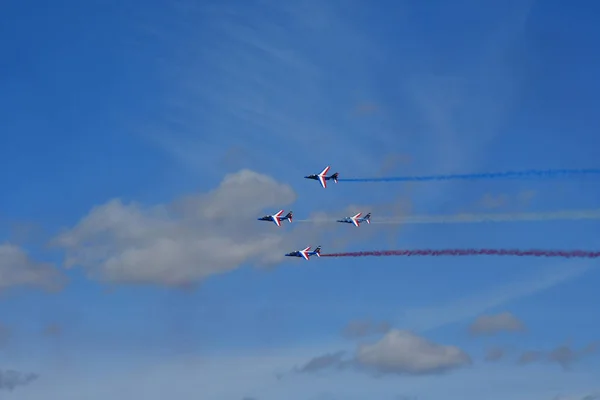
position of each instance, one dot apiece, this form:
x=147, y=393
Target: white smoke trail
x=477, y=218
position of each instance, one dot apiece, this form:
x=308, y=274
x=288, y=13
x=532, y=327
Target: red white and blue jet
x=356, y=220
x=277, y=218
x=306, y=253
x=323, y=178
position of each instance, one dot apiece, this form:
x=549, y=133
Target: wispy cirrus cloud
x=424, y=319
x=306, y=68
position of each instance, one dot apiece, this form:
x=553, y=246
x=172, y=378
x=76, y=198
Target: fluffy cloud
x=492, y=324
x=182, y=242
x=10, y=379
x=398, y=352
x=197, y=236
x=18, y=269
x=402, y=352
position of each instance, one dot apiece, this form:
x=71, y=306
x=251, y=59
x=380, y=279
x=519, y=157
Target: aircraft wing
x=276, y=217
x=322, y=177
x=355, y=219
x=304, y=253
x=323, y=181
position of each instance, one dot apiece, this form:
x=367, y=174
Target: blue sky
x=141, y=141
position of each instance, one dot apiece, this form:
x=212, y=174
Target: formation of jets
x=277, y=218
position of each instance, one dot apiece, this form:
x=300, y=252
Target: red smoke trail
x=471, y=252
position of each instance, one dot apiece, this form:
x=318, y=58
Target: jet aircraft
x=323, y=178
x=356, y=220
x=305, y=253
x=277, y=218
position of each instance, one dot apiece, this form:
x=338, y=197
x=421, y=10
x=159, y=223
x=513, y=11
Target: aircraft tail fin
x=289, y=216
x=368, y=218
x=335, y=177
x=318, y=251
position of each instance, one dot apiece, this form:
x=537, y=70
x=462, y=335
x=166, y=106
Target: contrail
x=470, y=252
x=534, y=173
x=479, y=218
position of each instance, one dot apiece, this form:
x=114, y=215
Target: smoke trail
x=479, y=218
x=470, y=252
x=505, y=217
x=548, y=173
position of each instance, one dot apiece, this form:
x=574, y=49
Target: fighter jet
x=277, y=218
x=305, y=253
x=323, y=178
x=356, y=220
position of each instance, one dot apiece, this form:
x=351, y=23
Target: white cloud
x=397, y=352
x=182, y=242
x=18, y=269
x=403, y=352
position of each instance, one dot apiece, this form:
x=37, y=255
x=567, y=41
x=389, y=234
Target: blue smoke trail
x=548, y=173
